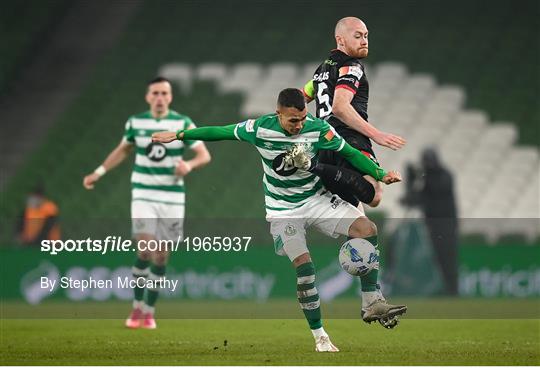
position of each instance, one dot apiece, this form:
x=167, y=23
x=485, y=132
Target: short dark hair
x=158, y=80
x=292, y=97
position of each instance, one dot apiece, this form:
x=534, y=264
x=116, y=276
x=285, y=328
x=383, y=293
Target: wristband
x=101, y=170
x=178, y=135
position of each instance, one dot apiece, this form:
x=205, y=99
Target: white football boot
x=323, y=344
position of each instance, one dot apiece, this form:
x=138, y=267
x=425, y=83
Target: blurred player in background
x=158, y=197
x=296, y=199
x=340, y=89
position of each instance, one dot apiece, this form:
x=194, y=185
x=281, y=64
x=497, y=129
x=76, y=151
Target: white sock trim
x=369, y=297
x=318, y=333
x=138, y=304
x=149, y=309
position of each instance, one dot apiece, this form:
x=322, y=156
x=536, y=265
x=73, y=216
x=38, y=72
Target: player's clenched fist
x=164, y=137
x=391, y=177
x=90, y=180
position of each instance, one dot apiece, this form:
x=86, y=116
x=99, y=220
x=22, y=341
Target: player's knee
x=362, y=227
x=145, y=255
x=160, y=258
x=376, y=198
x=377, y=191
x=142, y=252
x=301, y=259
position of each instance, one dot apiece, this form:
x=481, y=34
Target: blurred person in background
x=39, y=221
x=158, y=197
x=432, y=189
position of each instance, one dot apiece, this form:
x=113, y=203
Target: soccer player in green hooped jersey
x=296, y=199
x=157, y=203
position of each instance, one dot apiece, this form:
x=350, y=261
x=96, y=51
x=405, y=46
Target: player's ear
x=340, y=41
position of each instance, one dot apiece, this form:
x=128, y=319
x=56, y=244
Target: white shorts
x=163, y=221
x=327, y=212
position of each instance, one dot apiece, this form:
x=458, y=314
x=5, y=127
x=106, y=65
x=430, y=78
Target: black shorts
x=334, y=158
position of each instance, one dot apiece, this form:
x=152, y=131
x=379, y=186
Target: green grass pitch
x=271, y=341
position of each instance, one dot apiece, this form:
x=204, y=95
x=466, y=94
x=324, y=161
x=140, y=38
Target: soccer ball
x=358, y=257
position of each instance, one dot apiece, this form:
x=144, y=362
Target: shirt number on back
x=324, y=101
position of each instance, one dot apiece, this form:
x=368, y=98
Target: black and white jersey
x=341, y=71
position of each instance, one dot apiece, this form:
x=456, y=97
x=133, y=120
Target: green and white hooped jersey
x=286, y=187
x=153, y=177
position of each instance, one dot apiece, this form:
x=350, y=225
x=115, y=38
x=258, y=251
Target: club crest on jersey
x=156, y=151
x=290, y=230
x=281, y=167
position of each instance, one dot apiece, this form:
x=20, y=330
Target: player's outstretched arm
x=364, y=164
x=209, y=133
x=342, y=109
x=114, y=158
x=164, y=137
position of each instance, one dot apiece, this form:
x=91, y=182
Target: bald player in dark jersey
x=340, y=89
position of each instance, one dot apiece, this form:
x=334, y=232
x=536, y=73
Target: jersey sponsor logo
x=281, y=167
x=156, y=151
x=336, y=202
x=321, y=77
x=353, y=70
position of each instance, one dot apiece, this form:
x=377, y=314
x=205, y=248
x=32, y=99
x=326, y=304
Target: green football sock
x=369, y=282
x=308, y=295
x=140, y=269
x=156, y=272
